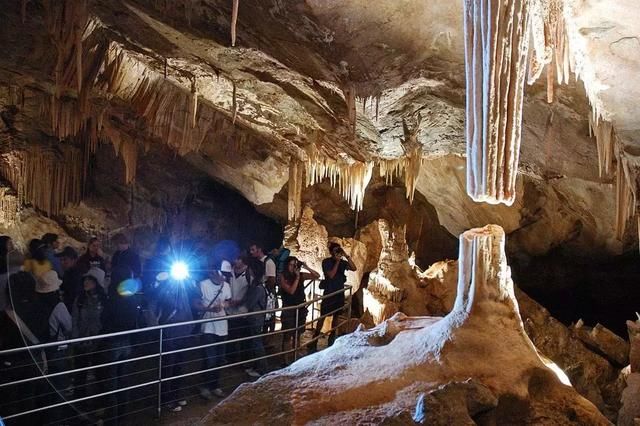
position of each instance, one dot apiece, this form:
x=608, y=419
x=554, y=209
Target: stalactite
x=234, y=21
x=193, y=105
x=351, y=176
x=9, y=206
x=48, y=179
x=409, y=164
x=627, y=189
x=550, y=45
x=603, y=131
x=496, y=36
x=296, y=175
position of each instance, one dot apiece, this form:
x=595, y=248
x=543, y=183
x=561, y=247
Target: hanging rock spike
x=234, y=21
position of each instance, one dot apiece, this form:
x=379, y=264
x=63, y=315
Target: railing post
x=160, y=374
x=312, y=304
x=295, y=337
x=350, y=302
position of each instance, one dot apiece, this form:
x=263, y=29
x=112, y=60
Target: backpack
x=271, y=303
x=280, y=260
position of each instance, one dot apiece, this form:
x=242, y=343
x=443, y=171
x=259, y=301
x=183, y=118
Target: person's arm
x=288, y=287
x=352, y=266
x=310, y=274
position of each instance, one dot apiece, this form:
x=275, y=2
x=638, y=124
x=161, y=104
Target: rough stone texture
x=440, y=282
x=603, y=341
x=630, y=411
x=634, y=339
x=592, y=375
x=417, y=356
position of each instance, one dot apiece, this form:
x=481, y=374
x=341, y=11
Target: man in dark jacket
x=72, y=276
x=125, y=256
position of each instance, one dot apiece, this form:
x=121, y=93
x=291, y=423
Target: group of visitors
x=55, y=295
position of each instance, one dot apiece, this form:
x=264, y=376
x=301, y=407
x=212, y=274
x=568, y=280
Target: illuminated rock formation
x=496, y=36
x=404, y=362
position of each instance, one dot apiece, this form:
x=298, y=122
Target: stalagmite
x=496, y=35
x=234, y=21
x=296, y=175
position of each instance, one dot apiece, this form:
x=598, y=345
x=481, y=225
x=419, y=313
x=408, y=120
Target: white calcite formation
x=496, y=36
x=412, y=369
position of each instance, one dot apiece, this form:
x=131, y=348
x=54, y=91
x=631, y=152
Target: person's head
x=121, y=241
x=255, y=269
x=94, y=246
x=36, y=250
x=336, y=250
x=89, y=283
x=68, y=257
x=240, y=264
x=51, y=241
x=255, y=250
x=292, y=266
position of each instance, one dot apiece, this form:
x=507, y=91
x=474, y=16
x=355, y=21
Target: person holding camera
x=334, y=269
x=292, y=286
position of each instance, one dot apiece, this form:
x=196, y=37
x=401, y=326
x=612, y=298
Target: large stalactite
x=496, y=43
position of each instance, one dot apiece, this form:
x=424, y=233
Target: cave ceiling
x=325, y=82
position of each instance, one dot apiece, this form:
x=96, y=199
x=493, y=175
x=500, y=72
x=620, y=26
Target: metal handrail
x=165, y=326
x=162, y=353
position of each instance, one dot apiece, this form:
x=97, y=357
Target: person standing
x=292, y=285
x=51, y=244
x=10, y=263
x=87, y=321
x=71, y=277
x=58, y=326
x=125, y=257
x=334, y=269
x=256, y=301
x=37, y=262
x=215, y=296
x=270, y=281
x=238, y=327
x=93, y=257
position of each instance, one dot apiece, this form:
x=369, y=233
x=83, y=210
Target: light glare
x=179, y=271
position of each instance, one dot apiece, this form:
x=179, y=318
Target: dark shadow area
x=603, y=291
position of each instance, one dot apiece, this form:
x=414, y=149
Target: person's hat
x=97, y=274
x=48, y=282
x=69, y=252
x=226, y=266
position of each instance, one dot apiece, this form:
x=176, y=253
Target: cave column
x=496, y=45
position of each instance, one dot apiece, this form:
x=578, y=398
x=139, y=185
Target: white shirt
x=209, y=292
x=269, y=267
x=239, y=286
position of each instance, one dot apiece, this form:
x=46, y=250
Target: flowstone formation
x=410, y=369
